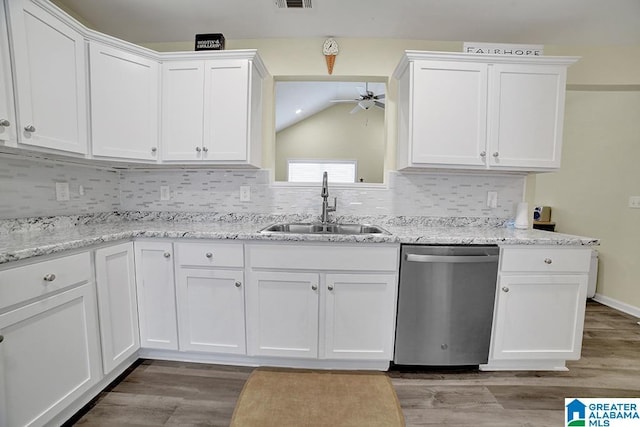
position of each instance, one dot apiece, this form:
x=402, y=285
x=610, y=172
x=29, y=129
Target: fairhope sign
x=503, y=49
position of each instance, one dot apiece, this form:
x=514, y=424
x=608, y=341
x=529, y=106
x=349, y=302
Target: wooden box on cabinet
x=466, y=111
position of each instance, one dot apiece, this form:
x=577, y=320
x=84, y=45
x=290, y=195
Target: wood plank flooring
x=158, y=393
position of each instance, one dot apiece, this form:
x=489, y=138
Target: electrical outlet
x=492, y=199
x=634, y=202
x=81, y=190
x=62, y=191
x=245, y=193
x=165, y=194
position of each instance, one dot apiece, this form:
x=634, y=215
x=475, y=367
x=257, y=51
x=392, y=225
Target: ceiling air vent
x=293, y=4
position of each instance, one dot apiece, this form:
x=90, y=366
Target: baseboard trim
x=618, y=305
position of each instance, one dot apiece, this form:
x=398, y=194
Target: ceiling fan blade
x=381, y=96
x=366, y=104
x=379, y=104
x=356, y=109
x=344, y=100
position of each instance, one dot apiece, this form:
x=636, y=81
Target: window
x=340, y=171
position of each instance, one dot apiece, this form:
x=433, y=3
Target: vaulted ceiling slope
x=561, y=22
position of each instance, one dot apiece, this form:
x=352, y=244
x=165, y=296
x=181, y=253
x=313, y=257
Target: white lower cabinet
x=322, y=302
x=540, y=306
x=117, y=304
x=156, y=295
x=359, y=316
x=211, y=310
x=49, y=347
x=282, y=313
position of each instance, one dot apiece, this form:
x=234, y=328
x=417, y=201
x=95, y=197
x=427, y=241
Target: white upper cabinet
x=476, y=112
x=49, y=64
x=7, y=106
x=212, y=109
x=124, y=103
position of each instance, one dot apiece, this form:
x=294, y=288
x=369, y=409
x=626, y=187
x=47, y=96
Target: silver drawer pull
x=547, y=261
x=1, y=338
x=166, y=254
x=5, y=123
x=330, y=287
x=505, y=289
x=209, y=255
x=314, y=287
x=238, y=284
x=30, y=128
x=49, y=277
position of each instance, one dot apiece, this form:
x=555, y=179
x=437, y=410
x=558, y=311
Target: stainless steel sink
x=301, y=228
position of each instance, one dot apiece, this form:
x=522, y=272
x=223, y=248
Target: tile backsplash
x=27, y=189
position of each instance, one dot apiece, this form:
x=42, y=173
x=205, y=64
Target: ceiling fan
x=366, y=99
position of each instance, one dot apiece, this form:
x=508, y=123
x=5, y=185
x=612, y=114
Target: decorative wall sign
x=330, y=49
x=210, y=41
x=503, y=49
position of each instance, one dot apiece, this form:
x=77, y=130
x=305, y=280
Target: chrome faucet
x=325, y=196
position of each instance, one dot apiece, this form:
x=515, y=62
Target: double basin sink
x=301, y=228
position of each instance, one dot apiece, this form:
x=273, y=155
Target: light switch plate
x=165, y=194
x=62, y=191
x=492, y=199
x=245, y=193
x=634, y=202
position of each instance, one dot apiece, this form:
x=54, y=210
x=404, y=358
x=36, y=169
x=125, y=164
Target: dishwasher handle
x=451, y=258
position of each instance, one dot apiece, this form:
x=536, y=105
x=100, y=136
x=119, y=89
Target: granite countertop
x=23, y=239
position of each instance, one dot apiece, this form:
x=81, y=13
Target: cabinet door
x=117, y=303
x=156, y=295
x=449, y=113
x=282, y=314
x=182, y=110
x=124, y=103
x=226, y=110
x=539, y=317
x=360, y=316
x=7, y=106
x=50, y=75
x=526, y=111
x=211, y=310
x=49, y=356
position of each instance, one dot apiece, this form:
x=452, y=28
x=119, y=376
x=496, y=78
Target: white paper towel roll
x=522, y=216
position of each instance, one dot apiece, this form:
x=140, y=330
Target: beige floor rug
x=301, y=398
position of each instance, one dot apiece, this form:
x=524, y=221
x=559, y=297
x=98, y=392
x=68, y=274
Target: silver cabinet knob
x=496, y=154
x=505, y=289
x=209, y=255
x=49, y=277
x=30, y=128
x=314, y=287
x=198, y=149
x=166, y=254
x=548, y=261
x=330, y=287
x=5, y=123
x=154, y=149
x=1, y=338
x=483, y=154
x=238, y=284
x=205, y=149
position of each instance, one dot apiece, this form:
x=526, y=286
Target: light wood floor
x=158, y=393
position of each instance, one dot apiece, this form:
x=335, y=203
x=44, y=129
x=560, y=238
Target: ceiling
x=296, y=100
x=565, y=22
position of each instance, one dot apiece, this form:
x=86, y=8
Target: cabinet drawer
x=545, y=260
x=210, y=254
x=324, y=257
x=28, y=282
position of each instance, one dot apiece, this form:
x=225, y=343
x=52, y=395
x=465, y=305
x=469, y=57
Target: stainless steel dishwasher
x=445, y=305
